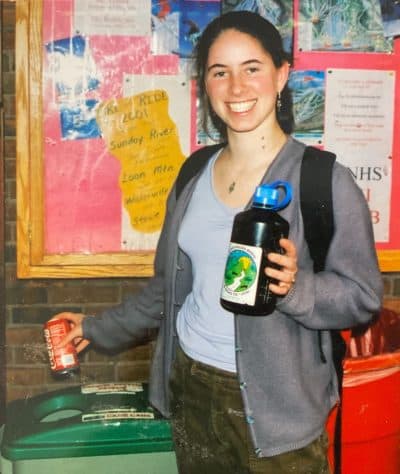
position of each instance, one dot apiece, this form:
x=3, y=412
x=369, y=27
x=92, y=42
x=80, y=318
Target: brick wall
x=29, y=303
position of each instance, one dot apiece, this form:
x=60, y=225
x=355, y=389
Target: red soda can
x=62, y=360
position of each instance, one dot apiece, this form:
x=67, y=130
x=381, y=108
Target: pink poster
x=82, y=193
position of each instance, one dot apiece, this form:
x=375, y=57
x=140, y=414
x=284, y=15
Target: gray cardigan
x=287, y=390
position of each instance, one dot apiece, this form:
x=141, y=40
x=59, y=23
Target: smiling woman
x=246, y=394
x=242, y=81
x=242, y=84
x=267, y=42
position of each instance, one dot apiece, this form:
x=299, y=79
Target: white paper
x=359, y=129
x=113, y=17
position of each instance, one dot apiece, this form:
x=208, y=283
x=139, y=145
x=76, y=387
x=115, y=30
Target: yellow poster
x=140, y=133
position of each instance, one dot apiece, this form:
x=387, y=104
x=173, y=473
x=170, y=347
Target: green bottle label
x=241, y=274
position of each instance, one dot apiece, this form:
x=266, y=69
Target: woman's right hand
x=76, y=334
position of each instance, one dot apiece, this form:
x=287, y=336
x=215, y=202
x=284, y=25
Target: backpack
x=317, y=211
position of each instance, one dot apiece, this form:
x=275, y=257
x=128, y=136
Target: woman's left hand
x=285, y=276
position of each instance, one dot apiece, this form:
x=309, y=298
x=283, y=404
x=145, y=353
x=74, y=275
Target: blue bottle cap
x=268, y=195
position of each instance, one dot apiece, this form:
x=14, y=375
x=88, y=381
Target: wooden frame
x=31, y=258
x=389, y=260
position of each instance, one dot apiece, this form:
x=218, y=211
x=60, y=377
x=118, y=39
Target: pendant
x=232, y=186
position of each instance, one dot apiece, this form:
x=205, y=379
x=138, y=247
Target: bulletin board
x=107, y=112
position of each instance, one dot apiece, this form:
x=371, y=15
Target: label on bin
x=117, y=414
x=106, y=388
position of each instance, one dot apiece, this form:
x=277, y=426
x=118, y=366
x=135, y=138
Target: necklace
x=232, y=186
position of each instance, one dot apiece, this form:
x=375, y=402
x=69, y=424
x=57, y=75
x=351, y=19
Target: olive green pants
x=210, y=432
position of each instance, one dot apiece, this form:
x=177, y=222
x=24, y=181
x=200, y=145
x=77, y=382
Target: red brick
x=97, y=373
x=35, y=314
x=8, y=13
x=9, y=355
x=10, y=274
x=32, y=353
x=19, y=335
x=392, y=303
x=9, y=88
x=16, y=393
x=387, y=285
x=83, y=294
x=10, y=149
x=25, y=375
x=8, y=38
x=11, y=210
x=10, y=232
x=10, y=252
x=26, y=296
x=9, y=105
x=8, y=61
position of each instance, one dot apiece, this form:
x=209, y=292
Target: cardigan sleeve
x=349, y=291
x=128, y=322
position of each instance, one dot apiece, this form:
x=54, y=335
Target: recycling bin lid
x=87, y=420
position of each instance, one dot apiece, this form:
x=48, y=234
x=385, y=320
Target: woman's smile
x=240, y=107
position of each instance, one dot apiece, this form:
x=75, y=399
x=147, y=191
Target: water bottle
x=255, y=233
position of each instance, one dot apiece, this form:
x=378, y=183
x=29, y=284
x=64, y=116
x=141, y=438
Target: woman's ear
x=283, y=75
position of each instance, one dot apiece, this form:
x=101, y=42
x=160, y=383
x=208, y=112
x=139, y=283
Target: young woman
x=246, y=394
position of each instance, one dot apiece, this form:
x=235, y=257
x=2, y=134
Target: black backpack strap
x=193, y=164
x=316, y=207
x=317, y=211
x=316, y=202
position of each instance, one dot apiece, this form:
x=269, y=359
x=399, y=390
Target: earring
x=279, y=102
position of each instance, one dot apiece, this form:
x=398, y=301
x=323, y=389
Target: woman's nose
x=237, y=83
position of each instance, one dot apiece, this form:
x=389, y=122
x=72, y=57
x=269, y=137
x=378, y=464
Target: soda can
x=62, y=360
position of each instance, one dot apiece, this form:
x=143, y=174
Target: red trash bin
x=371, y=400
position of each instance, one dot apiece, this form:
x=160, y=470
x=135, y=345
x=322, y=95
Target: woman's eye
x=219, y=74
x=252, y=70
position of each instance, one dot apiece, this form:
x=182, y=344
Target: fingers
x=75, y=335
x=281, y=288
x=74, y=318
x=289, y=248
x=285, y=269
x=82, y=345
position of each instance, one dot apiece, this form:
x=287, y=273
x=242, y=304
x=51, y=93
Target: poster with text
x=359, y=129
x=110, y=17
x=82, y=72
x=148, y=132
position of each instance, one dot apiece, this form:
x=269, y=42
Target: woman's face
x=242, y=82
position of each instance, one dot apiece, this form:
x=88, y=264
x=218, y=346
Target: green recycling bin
x=99, y=428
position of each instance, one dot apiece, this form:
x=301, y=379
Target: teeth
x=241, y=106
